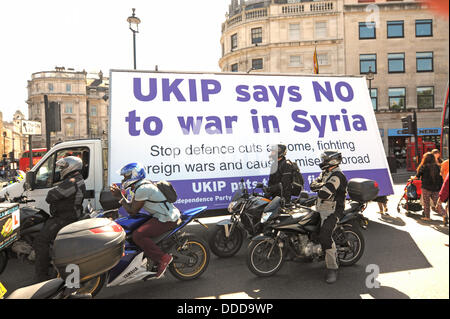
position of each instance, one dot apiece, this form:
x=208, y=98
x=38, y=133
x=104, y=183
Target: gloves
x=315, y=186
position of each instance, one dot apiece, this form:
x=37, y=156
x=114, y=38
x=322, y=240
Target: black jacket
x=431, y=177
x=280, y=172
x=66, y=199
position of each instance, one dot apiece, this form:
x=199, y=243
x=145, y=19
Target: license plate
x=2, y=290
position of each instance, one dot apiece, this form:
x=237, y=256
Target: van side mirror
x=30, y=181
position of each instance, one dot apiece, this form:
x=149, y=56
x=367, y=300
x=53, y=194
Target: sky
x=176, y=35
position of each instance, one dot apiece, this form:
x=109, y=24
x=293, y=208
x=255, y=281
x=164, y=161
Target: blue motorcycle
x=190, y=253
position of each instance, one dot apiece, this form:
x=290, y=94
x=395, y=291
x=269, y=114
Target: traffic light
x=407, y=124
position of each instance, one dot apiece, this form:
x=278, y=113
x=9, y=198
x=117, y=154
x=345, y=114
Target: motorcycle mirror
x=259, y=185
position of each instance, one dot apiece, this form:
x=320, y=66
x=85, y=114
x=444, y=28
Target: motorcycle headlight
x=231, y=206
x=265, y=217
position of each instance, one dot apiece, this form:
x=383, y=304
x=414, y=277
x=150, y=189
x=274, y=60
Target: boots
x=331, y=276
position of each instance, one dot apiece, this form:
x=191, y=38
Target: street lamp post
x=134, y=27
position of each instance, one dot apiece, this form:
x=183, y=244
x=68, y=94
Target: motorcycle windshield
x=238, y=194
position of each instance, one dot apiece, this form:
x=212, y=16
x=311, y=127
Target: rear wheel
x=198, y=254
x=265, y=257
x=349, y=244
x=223, y=246
x=93, y=286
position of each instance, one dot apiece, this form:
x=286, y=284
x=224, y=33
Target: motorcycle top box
x=362, y=189
x=94, y=245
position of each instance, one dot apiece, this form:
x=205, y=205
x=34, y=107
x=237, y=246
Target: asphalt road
x=411, y=256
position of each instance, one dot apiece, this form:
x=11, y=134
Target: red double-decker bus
x=24, y=161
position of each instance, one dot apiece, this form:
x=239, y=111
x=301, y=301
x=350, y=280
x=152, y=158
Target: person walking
x=429, y=173
x=443, y=198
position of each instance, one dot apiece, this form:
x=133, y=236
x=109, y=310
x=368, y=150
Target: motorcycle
x=293, y=234
x=226, y=239
x=32, y=220
x=190, y=253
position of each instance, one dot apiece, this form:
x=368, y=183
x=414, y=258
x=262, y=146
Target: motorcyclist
x=148, y=197
x=281, y=171
x=66, y=207
x=331, y=188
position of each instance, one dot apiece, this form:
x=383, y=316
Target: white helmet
x=68, y=165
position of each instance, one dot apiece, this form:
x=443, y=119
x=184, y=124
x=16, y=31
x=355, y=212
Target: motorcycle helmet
x=330, y=158
x=277, y=151
x=69, y=165
x=132, y=173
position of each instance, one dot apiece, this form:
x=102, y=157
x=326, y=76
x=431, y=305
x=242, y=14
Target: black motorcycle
x=293, y=234
x=246, y=208
x=32, y=220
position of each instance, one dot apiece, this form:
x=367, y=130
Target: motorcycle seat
x=353, y=206
x=42, y=290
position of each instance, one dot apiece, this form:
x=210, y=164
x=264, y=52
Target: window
x=367, y=30
x=294, y=31
x=48, y=174
x=256, y=35
x=50, y=87
x=257, y=64
x=322, y=59
x=425, y=97
x=424, y=28
x=68, y=108
x=321, y=29
x=234, y=67
x=396, y=62
x=68, y=87
x=374, y=98
x=395, y=29
x=295, y=61
x=93, y=109
x=424, y=61
x=70, y=128
x=234, y=41
x=367, y=61
x=397, y=98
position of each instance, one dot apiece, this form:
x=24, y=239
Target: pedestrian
x=382, y=205
x=443, y=198
x=429, y=173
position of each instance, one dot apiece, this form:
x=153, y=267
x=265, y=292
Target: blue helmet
x=132, y=173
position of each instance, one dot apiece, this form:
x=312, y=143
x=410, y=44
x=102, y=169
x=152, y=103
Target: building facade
x=402, y=44
x=12, y=142
x=82, y=99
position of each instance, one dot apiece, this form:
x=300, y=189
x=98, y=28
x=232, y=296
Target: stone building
x=83, y=102
x=404, y=45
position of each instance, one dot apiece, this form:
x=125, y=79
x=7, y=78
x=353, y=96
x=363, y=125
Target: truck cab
x=44, y=175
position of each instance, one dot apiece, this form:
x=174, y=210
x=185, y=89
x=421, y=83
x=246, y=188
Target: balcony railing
x=303, y=8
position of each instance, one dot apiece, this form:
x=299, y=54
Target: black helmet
x=330, y=158
x=280, y=149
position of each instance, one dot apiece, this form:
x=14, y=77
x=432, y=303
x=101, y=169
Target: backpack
x=297, y=179
x=168, y=191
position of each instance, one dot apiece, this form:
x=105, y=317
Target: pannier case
x=94, y=245
x=362, y=189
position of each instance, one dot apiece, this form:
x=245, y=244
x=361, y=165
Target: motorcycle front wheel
x=223, y=246
x=265, y=257
x=198, y=255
